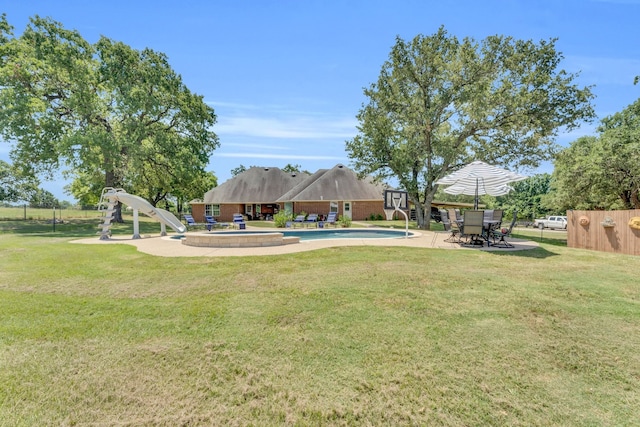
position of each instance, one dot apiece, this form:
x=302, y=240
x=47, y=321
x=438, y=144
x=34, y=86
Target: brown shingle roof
x=255, y=185
x=338, y=183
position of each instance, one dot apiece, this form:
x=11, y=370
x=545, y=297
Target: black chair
x=503, y=233
x=492, y=222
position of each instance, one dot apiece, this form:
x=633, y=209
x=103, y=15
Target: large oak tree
x=440, y=103
x=603, y=171
x=108, y=114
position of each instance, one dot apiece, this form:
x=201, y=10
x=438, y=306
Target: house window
x=333, y=207
x=288, y=208
x=212, y=210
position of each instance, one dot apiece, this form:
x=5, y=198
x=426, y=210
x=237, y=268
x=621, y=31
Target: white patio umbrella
x=478, y=178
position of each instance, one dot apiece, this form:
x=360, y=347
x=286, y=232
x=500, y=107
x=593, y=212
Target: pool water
x=344, y=234
x=319, y=234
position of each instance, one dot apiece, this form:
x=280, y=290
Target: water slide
x=135, y=202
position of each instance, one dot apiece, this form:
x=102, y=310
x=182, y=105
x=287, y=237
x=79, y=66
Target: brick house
x=336, y=190
x=253, y=193
x=261, y=192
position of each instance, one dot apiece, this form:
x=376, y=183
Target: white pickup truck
x=551, y=222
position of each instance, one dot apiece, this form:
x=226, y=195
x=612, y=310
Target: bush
x=281, y=218
x=344, y=221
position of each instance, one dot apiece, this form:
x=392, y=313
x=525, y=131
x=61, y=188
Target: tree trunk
x=423, y=216
x=635, y=198
x=117, y=216
x=110, y=181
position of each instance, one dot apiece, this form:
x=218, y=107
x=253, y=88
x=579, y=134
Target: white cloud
x=298, y=127
x=280, y=121
x=253, y=146
x=278, y=156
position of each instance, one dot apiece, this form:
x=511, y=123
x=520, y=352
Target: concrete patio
x=170, y=246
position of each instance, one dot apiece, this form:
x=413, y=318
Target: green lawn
x=105, y=335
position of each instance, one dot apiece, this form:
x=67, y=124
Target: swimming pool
x=317, y=234
x=345, y=233
x=277, y=237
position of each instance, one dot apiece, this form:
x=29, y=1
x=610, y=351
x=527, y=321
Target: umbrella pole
x=475, y=201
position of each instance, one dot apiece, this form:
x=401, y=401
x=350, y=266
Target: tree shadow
x=534, y=253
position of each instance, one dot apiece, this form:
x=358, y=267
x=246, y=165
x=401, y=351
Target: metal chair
x=448, y=227
x=472, y=227
x=504, y=233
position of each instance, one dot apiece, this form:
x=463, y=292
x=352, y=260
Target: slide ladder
x=108, y=206
x=108, y=203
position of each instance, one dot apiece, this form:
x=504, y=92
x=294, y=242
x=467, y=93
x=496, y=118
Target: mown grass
x=103, y=334
x=41, y=214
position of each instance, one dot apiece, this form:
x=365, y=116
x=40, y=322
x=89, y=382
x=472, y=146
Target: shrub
x=344, y=221
x=281, y=218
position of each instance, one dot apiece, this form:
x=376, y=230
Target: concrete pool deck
x=169, y=246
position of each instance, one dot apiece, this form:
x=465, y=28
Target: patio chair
x=488, y=215
x=492, y=221
x=212, y=223
x=331, y=218
x=190, y=221
x=448, y=227
x=473, y=227
x=497, y=216
x=503, y=233
x=238, y=221
x=311, y=219
x=455, y=218
x=298, y=220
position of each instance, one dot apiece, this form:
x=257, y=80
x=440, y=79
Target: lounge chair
x=311, y=219
x=331, y=218
x=238, y=221
x=190, y=221
x=212, y=223
x=298, y=220
x=503, y=233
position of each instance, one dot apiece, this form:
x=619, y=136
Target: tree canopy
x=109, y=115
x=13, y=186
x=440, y=103
x=527, y=196
x=602, y=172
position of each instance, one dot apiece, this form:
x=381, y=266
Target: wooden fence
x=606, y=231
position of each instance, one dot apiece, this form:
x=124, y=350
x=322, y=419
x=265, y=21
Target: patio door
x=346, y=209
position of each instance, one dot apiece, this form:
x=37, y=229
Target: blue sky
x=286, y=77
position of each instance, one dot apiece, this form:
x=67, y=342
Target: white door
x=346, y=210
